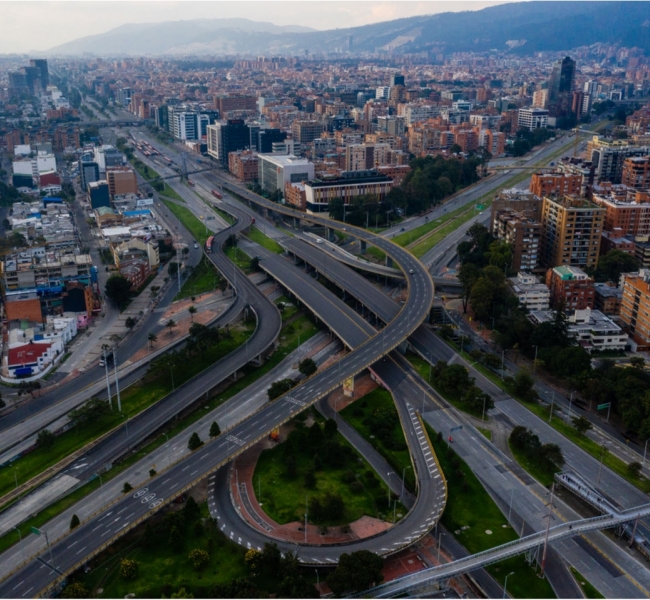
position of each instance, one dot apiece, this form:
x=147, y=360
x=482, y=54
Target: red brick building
x=555, y=184
x=572, y=287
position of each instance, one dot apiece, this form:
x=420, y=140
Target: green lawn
x=161, y=570
x=357, y=412
x=239, y=257
x=465, y=494
x=376, y=253
x=589, y=590
x=204, y=278
x=485, y=432
x=134, y=398
x=283, y=497
x=406, y=238
x=264, y=240
x=148, y=173
x=195, y=226
x=289, y=309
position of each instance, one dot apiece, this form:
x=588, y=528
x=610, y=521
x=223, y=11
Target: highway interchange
x=367, y=347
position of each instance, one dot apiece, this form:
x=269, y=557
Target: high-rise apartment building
x=524, y=236
x=571, y=232
x=227, y=136
x=636, y=173
x=41, y=65
x=226, y=104
x=635, y=307
x=532, y=118
x=628, y=212
x=608, y=157
x=555, y=184
x=571, y=288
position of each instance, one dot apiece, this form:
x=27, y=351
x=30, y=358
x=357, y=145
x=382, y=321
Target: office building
x=121, y=181
x=518, y=201
x=608, y=157
x=226, y=104
x=267, y=137
x=306, y=132
x=571, y=288
x=391, y=124
x=228, y=136
x=186, y=126
x=530, y=292
x=555, y=184
x=88, y=170
x=571, y=232
x=635, y=308
x=277, y=170
x=396, y=79
x=41, y=65
x=319, y=192
x=560, y=87
x=532, y=118
x=98, y=194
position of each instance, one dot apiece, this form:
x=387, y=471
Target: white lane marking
x=80, y=551
x=27, y=592
x=23, y=581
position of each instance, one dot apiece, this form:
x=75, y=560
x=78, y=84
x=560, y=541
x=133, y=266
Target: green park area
x=375, y=417
x=195, y=226
x=588, y=590
x=203, y=278
x=182, y=554
x=264, y=240
x=316, y=465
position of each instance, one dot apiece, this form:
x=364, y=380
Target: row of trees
x=454, y=381
x=547, y=457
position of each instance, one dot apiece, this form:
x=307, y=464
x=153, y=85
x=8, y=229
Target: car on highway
x=319, y=241
x=196, y=245
x=411, y=271
x=102, y=362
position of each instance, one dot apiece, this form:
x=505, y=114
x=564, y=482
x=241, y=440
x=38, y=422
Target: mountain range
x=518, y=28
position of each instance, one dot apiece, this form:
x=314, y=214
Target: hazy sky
x=34, y=25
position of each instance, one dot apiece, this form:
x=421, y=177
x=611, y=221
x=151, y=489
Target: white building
x=276, y=170
x=532, y=294
x=591, y=329
x=186, y=126
x=532, y=118
x=417, y=113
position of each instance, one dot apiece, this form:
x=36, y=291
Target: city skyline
x=50, y=22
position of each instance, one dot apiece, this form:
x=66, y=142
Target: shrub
x=129, y=568
x=356, y=487
x=127, y=487
x=199, y=558
x=74, y=522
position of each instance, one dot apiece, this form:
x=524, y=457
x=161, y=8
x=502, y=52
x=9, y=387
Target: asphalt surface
x=92, y=536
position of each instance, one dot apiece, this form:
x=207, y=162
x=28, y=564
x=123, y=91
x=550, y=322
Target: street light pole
x=439, y=544
x=535, y=359
x=117, y=383
x=600, y=468
x=169, y=456
x=483, y=415
x=548, y=528
x=20, y=538
x=108, y=381
x=570, y=402
x=403, y=475
x=389, y=474
x=645, y=450
x=505, y=584
x=550, y=416
x=512, y=493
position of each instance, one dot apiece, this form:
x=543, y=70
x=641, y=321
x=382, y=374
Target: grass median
x=479, y=530
x=195, y=226
x=588, y=590
x=203, y=278
x=408, y=237
x=264, y=240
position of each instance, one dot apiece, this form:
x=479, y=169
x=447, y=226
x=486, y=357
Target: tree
x=315, y=436
x=524, y=385
x=271, y=559
x=200, y=558
x=634, y=469
x=611, y=265
x=253, y=559
x=127, y=487
x=75, y=590
x=215, y=430
x=581, y=424
x=175, y=541
x=330, y=428
x=356, y=572
x=637, y=362
x=92, y=410
x=182, y=593
x=468, y=274
x=45, y=439
x=129, y=568
x=552, y=455
x=170, y=324
x=310, y=480
x=192, y=310
x=278, y=388
x=194, y=442
x=307, y=367
x=455, y=149
x=152, y=338
x=152, y=472
x=74, y=522
x=130, y=322
x=118, y=290
x=172, y=269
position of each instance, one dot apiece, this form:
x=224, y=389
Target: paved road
x=92, y=536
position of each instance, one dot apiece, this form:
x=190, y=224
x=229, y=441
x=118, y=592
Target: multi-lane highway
x=92, y=536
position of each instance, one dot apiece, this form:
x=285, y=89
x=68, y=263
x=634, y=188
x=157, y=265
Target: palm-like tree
x=171, y=324
x=153, y=338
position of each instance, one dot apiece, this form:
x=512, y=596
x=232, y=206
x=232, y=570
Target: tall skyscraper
x=397, y=79
x=41, y=65
x=560, y=87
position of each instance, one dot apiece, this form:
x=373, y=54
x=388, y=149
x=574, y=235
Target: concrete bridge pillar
x=362, y=246
x=331, y=236
x=389, y=261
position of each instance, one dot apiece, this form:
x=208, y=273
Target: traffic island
x=307, y=467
